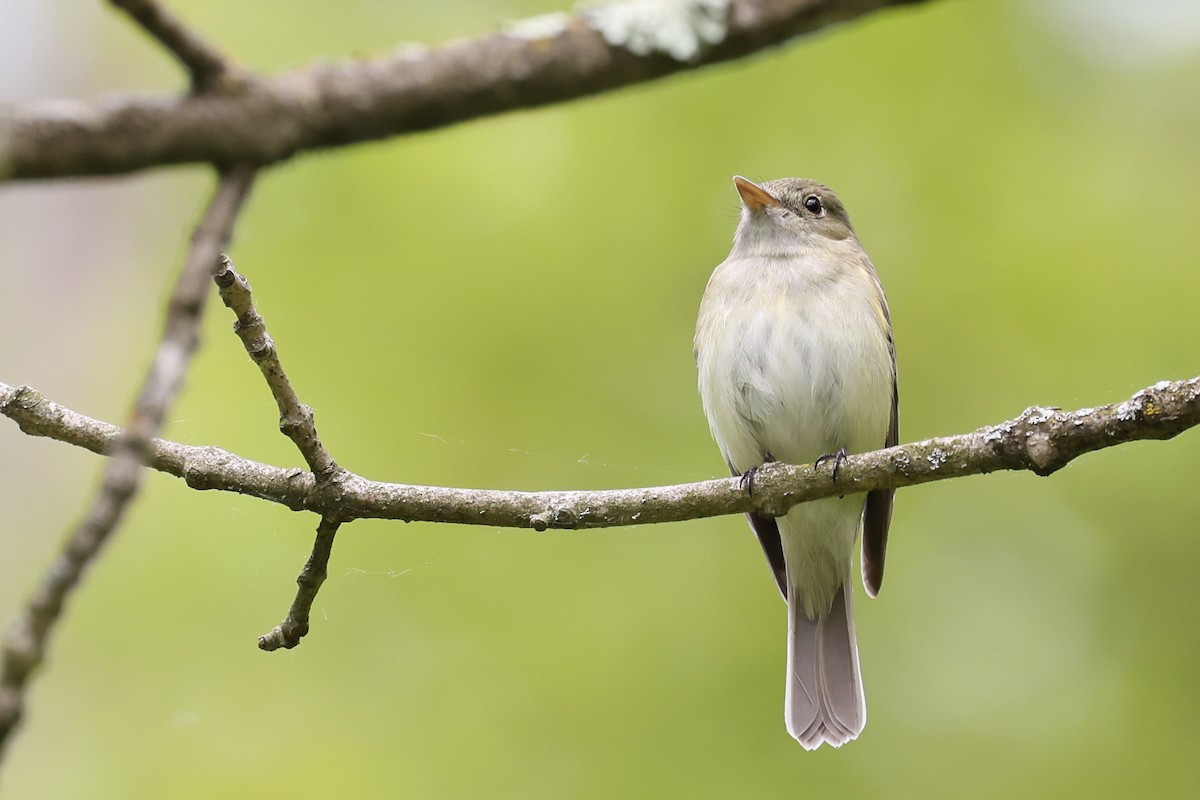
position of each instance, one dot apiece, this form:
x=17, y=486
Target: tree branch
x=295, y=625
x=1041, y=440
x=24, y=645
x=297, y=423
x=531, y=63
x=295, y=418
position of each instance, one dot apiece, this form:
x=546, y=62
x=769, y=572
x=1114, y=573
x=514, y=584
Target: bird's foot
x=837, y=458
x=747, y=477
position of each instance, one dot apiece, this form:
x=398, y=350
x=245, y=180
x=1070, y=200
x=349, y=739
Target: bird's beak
x=754, y=196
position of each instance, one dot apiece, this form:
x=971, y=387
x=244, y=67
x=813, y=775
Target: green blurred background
x=510, y=303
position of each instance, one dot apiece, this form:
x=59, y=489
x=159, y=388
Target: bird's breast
x=793, y=362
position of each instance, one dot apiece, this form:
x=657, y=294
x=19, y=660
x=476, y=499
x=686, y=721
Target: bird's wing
x=878, y=513
x=767, y=530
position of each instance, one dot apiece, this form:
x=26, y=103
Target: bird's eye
x=813, y=204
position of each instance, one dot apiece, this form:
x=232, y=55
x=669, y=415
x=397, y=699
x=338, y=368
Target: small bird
x=797, y=364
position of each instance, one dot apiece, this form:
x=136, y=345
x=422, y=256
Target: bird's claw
x=747, y=477
x=747, y=480
x=837, y=458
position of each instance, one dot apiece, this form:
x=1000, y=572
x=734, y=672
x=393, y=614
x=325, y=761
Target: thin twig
x=1041, y=440
x=533, y=62
x=207, y=66
x=295, y=418
x=297, y=423
x=25, y=644
x=288, y=633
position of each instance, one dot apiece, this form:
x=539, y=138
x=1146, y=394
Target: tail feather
x=824, y=701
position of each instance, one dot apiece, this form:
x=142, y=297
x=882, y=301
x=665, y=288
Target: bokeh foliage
x=509, y=303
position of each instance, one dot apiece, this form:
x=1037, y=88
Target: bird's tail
x=824, y=701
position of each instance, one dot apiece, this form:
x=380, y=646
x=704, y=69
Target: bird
x=796, y=363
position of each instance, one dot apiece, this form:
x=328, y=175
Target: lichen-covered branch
x=1041, y=440
x=530, y=63
x=25, y=644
